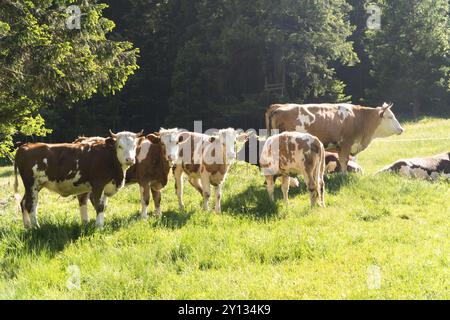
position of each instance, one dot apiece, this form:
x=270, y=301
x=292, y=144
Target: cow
x=347, y=128
x=430, y=168
x=333, y=166
x=154, y=158
x=251, y=153
x=96, y=168
x=206, y=160
x=295, y=153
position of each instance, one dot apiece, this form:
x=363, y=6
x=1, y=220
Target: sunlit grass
x=254, y=250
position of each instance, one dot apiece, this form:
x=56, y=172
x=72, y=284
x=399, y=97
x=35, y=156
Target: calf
x=95, y=168
x=251, y=153
x=206, y=160
x=347, y=128
x=294, y=153
x=155, y=154
x=423, y=168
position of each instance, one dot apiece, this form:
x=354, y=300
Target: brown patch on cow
x=154, y=169
x=97, y=165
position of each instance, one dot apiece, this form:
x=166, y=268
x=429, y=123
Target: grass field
x=380, y=237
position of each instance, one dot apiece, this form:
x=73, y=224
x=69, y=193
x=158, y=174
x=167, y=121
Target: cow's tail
x=268, y=118
x=321, y=173
x=16, y=183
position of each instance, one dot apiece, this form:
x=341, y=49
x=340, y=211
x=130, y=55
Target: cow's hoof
x=99, y=226
x=157, y=214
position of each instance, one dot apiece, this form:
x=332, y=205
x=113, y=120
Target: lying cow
x=422, y=168
x=95, y=168
x=347, y=128
x=154, y=157
x=206, y=160
x=332, y=164
x=295, y=153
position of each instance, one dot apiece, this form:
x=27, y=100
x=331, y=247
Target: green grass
x=254, y=250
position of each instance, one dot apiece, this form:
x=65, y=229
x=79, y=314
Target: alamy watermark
x=73, y=21
x=374, y=19
x=74, y=277
x=374, y=278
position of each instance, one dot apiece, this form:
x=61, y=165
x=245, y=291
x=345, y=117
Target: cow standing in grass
x=206, y=160
x=96, y=168
x=294, y=153
x=155, y=156
x=347, y=128
x=251, y=153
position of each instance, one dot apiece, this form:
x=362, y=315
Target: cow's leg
x=34, y=204
x=178, y=174
x=156, y=194
x=270, y=185
x=344, y=157
x=195, y=182
x=206, y=191
x=145, y=200
x=285, y=187
x=218, y=193
x=321, y=179
x=99, y=202
x=312, y=184
x=82, y=201
x=26, y=205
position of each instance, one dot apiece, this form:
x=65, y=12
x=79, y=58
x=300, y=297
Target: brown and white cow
x=347, y=128
x=251, y=153
x=206, y=160
x=294, y=153
x=430, y=168
x=154, y=157
x=96, y=168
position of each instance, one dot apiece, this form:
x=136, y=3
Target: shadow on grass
x=7, y=173
x=253, y=202
x=334, y=183
x=174, y=219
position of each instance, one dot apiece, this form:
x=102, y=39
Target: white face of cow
x=389, y=124
x=228, y=138
x=126, y=143
x=171, y=140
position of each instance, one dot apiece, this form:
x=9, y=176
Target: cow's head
x=125, y=144
x=228, y=138
x=171, y=140
x=389, y=124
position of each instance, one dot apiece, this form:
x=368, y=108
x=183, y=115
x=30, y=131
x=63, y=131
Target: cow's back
x=331, y=123
x=288, y=152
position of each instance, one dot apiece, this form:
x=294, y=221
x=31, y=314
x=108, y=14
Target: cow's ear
x=110, y=142
x=154, y=138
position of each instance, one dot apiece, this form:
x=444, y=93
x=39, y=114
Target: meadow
x=380, y=237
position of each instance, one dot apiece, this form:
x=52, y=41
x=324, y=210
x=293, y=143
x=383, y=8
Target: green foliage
x=254, y=250
x=410, y=55
x=42, y=60
x=235, y=45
